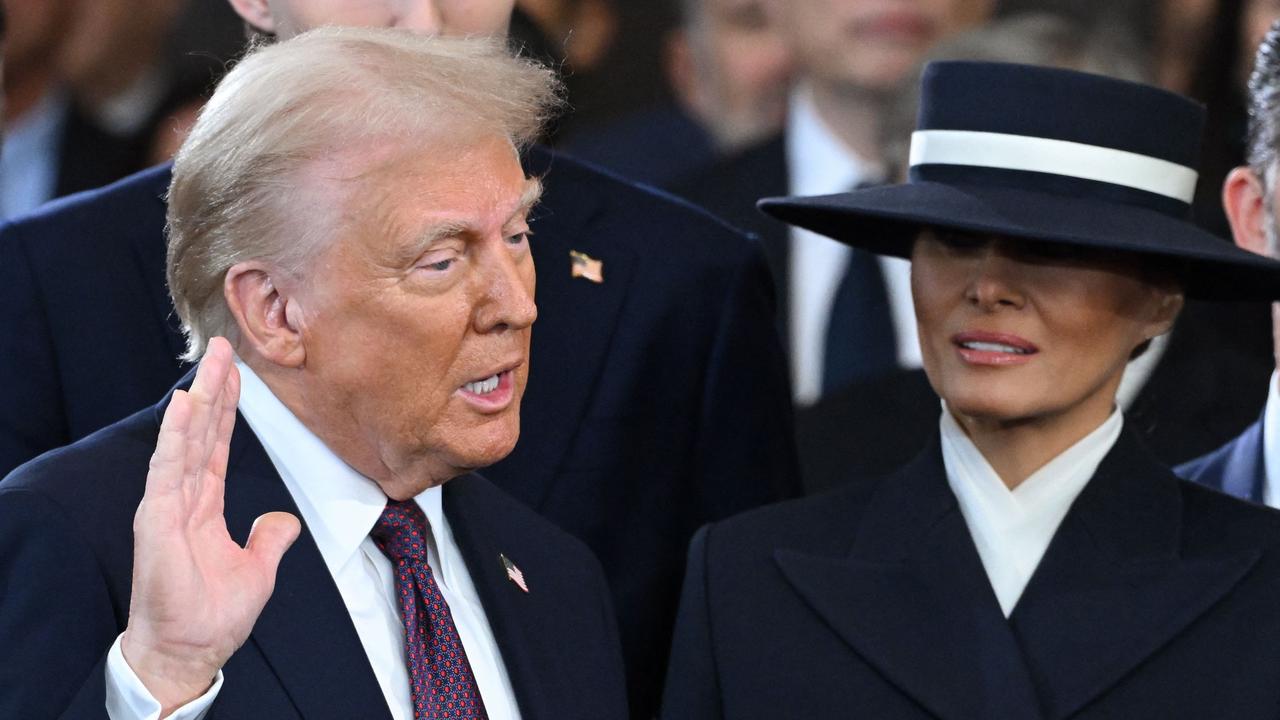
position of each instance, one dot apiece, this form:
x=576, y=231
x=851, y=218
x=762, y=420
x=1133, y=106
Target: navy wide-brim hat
x=1051, y=156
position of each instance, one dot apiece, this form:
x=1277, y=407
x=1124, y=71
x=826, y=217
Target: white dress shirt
x=1271, y=444
x=818, y=163
x=340, y=507
x=1012, y=528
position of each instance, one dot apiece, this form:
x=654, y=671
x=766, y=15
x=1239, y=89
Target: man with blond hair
x=350, y=214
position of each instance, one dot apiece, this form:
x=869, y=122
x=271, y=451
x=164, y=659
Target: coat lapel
x=528, y=647
x=913, y=600
x=577, y=318
x=304, y=632
x=1116, y=585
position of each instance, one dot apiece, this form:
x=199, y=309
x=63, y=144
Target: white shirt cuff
x=129, y=699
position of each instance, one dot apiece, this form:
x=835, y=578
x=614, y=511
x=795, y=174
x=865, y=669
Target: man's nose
x=507, y=285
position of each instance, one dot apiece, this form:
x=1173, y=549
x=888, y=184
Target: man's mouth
x=483, y=387
x=493, y=393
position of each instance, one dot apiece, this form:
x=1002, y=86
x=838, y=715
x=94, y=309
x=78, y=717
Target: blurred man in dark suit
x=849, y=55
x=637, y=427
x=729, y=70
x=1249, y=465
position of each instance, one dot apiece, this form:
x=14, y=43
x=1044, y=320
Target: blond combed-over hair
x=288, y=105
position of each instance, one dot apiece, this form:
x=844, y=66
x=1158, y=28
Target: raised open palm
x=196, y=592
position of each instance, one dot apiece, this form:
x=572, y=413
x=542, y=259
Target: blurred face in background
x=35, y=31
x=1255, y=20
x=730, y=69
x=869, y=45
x=110, y=43
x=287, y=18
x=1181, y=30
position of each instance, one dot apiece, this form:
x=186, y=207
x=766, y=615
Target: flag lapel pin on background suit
x=513, y=572
x=582, y=265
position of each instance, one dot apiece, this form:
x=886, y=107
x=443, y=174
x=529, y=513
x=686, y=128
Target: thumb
x=271, y=535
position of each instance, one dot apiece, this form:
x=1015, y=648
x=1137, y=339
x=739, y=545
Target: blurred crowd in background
x=719, y=101
x=659, y=89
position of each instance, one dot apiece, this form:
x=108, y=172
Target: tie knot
x=401, y=531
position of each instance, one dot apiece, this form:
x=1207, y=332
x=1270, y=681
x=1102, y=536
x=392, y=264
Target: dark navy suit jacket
x=1237, y=468
x=66, y=544
x=1155, y=599
x=657, y=400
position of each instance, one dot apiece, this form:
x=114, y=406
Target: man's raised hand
x=196, y=593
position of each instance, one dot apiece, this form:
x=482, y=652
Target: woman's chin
x=990, y=407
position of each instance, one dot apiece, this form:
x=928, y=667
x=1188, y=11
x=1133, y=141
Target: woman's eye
x=960, y=240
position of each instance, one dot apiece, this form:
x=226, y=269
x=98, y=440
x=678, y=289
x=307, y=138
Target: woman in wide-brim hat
x=1036, y=561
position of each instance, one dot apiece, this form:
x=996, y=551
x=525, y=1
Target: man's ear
x=269, y=319
x=255, y=12
x=1244, y=199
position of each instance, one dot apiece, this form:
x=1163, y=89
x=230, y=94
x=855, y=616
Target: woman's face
x=1012, y=332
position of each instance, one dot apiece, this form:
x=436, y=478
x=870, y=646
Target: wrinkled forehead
x=393, y=189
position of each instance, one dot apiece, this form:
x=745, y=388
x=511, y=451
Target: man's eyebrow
x=440, y=231
x=447, y=229
x=530, y=197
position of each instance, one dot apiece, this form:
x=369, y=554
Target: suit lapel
x=528, y=647
x=577, y=321
x=1115, y=585
x=913, y=600
x=1244, y=474
x=304, y=631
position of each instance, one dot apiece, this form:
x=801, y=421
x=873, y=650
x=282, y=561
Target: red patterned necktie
x=443, y=686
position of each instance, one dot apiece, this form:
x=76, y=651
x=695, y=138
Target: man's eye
x=519, y=238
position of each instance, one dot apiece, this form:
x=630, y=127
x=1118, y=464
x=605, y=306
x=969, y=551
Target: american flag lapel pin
x=513, y=572
x=582, y=265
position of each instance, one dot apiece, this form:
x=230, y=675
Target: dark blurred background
x=658, y=88
x=721, y=102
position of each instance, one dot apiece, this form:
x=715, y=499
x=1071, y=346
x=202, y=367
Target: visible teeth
x=995, y=347
x=482, y=387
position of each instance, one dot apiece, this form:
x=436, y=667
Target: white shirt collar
x=1012, y=528
x=1271, y=444
x=340, y=506
x=818, y=162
